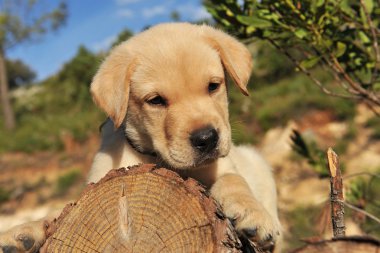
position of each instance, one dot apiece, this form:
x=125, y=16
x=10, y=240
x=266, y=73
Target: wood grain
x=143, y=209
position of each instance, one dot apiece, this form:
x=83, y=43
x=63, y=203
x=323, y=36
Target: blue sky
x=95, y=24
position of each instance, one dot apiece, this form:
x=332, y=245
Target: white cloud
x=104, y=44
x=125, y=13
x=124, y=2
x=154, y=11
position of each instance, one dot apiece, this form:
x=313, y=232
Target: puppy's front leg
x=28, y=237
x=239, y=203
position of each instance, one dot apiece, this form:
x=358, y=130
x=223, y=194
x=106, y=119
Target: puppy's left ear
x=234, y=55
x=110, y=85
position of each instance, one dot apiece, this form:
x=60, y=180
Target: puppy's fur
x=177, y=62
x=159, y=89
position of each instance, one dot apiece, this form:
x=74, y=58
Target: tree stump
x=143, y=209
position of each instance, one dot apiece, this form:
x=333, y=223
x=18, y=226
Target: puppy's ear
x=110, y=85
x=234, y=55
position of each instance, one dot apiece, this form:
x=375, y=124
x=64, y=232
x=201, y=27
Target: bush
x=44, y=131
x=66, y=181
x=274, y=104
x=61, y=103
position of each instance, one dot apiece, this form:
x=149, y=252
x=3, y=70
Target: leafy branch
x=339, y=35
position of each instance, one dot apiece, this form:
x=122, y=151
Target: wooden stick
x=336, y=195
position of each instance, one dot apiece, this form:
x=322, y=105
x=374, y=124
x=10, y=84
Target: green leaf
x=229, y=13
x=364, y=38
x=327, y=43
x=267, y=34
x=358, y=61
x=370, y=65
x=345, y=7
x=251, y=29
x=212, y=11
x=271, y=16
x=311, y=62
x=320, y=3
x=254, y=21
x=301, y=33
x=314, y=5
x=368, y=4
x=341, y=49
x=376, y=86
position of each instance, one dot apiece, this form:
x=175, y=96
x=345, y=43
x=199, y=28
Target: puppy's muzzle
x=204, y=140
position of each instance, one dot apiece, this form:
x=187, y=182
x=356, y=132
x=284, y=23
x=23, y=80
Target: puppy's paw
x=25, y=238
x=252, y=220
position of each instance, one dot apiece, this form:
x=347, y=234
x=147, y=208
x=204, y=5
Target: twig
x=362, y=173
x=307, y=73
x=365, y=94
x=336, y=195
x=336, y=74
x=362, y=211
x=371, y=107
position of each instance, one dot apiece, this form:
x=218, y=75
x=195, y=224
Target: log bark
x=336, y=195
x=342, y=245
x=143, y=209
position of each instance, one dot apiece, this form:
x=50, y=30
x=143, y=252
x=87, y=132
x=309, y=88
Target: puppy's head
x=168, y=86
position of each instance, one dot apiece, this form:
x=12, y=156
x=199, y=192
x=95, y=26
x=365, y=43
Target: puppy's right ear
x=110, y=85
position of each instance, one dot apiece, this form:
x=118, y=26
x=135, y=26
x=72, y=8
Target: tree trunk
x=9, y=119
x=144, y=209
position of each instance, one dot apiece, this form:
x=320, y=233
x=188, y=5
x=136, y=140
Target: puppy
x=165, y=93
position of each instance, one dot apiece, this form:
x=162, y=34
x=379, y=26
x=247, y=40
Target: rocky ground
x=32, y=185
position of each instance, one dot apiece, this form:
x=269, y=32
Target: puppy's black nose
x=204, y=139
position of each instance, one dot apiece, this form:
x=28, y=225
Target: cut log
x=143, y=209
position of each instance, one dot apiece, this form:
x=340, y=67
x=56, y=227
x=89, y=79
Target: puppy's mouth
x=177, y=160
x=208, y=158
x=199, y=160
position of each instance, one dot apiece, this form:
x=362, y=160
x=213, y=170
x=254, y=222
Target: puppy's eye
x=213, y=87
x=157, y=100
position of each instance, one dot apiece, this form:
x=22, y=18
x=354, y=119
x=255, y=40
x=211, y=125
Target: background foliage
x=340, y=36
x=302, y=50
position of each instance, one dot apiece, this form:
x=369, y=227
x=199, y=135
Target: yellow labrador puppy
x=165, y=93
